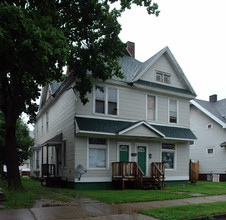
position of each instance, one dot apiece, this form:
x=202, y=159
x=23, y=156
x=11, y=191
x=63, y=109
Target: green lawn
x=124, y=196
x=187, y=211
x=35, y=191
x=203, y=187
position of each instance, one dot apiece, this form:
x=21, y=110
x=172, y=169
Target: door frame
x=123, y=143
x=147, y=153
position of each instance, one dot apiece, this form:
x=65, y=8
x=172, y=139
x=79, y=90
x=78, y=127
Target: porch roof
x=116, y=127
x=56, y=140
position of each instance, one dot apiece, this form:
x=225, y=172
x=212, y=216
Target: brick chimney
x=68, y=72
x=213, y=98
x=131, y=48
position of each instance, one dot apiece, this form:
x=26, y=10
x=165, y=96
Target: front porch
x=51, y=161
x=131, y=172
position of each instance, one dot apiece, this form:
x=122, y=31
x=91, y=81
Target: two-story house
x=208, y=121
x=140, y=119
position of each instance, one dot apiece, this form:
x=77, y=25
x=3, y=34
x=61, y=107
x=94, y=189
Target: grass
x=187, y=211
x=203, y=187
x=34, y=191
x=125, y=196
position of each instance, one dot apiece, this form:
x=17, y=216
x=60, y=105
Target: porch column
x=42, y=161
x=47, y=159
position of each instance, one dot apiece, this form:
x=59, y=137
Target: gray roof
x=54, y=86
x=218, y=108
x=115, y=126
x=131, y=67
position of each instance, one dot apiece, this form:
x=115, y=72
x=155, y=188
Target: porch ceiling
x=56, y=140
x=119, y=127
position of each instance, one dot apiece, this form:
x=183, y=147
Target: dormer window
x=163, y=77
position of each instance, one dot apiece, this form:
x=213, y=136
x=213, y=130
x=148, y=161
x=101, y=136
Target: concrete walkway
x=100, y=211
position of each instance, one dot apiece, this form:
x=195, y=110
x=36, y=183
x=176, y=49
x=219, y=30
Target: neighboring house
x=208, y=121
x=141, y=118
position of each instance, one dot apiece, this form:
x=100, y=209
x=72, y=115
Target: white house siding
x=207, y=138
x=183, y=112
x=163, y=65
x=60, y=119
x=154, y=148
x=133, y=105
x=181, y=171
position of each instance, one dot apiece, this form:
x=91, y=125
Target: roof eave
x=209, y=114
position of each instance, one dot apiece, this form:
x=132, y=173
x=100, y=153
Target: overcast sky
x=194, y=31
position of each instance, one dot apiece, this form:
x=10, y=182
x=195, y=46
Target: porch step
x=150, y=183
x=52, y=181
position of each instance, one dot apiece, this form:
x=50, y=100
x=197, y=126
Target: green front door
x=123, y=153
x=123, y=157
x=141, y=154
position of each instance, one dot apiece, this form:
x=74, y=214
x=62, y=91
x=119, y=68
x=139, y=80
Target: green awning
x=113, y=127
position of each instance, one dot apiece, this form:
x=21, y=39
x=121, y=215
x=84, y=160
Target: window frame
x=98, y=146
x=147, y=109
x=95, y=99
x=210, y=154
x=177, y=111
x=106, y=100
x=47, y=121
x=161, y=76
x=169, y=151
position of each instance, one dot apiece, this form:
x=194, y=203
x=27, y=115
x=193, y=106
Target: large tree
x=39, y=37
x=24, y=141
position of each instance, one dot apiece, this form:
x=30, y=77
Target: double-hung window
x=168, y=156
x=106, y=100
x=112, y=101
x=97, y=153
x=173, y=111
x=151, y=107
x=100, y=99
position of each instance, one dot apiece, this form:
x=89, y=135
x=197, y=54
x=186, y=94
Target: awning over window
x=86, y=125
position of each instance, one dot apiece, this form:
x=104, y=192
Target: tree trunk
x=13, y=175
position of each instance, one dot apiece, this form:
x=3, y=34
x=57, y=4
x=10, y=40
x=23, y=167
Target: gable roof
x=133, y=69
x=86, y=125
x=214, y=110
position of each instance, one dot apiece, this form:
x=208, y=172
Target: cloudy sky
x=194, y=31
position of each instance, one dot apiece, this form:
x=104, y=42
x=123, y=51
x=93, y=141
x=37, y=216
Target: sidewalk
x=100, y=211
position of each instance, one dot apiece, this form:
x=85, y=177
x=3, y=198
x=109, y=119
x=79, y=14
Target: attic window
x=209, y=126
x=163, y=77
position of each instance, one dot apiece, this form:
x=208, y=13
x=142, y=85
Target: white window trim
x=99, y=147
x=106, y=89
x=156, y=107
x=147, y=154
x=123, y=143
x=169, y=111
x=210, y=155
x=175, y=156
x=163, y=74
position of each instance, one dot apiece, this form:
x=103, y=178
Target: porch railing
x=127, y=171
x=158, y=172
x=48, y=170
